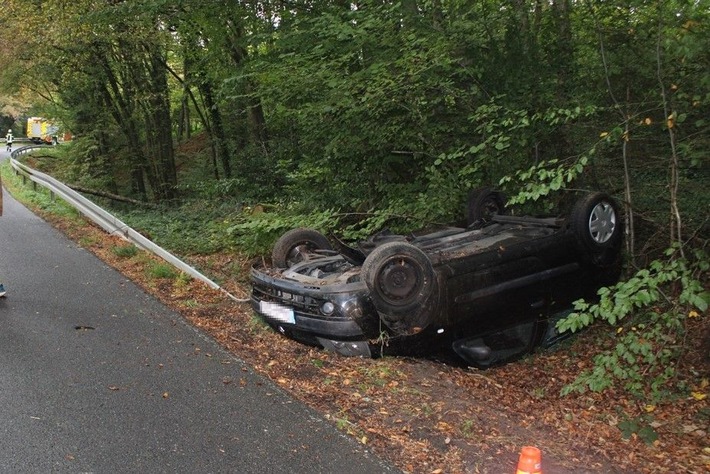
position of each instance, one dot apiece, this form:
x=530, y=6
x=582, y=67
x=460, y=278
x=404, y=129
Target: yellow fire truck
x=40, y=130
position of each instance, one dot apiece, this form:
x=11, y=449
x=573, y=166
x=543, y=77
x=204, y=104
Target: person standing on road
x=8, y=140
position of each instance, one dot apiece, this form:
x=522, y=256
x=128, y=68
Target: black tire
x=484, y=203
x=295, y=245
x=598, y=228
x=402, y=286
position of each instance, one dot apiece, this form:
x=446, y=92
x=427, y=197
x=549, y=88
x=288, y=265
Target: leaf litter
x=430, y=416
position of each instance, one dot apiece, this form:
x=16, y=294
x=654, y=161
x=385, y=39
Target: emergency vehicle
x=40, y=130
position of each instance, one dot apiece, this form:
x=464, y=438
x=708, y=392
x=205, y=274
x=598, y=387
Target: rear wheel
x=295, y=246
x=597, y=224
x=402, y=286
x=483, y=204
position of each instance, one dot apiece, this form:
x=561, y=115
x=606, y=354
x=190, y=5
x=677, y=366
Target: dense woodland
x=361, y=114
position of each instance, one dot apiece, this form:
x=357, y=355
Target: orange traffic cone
x=530, y=461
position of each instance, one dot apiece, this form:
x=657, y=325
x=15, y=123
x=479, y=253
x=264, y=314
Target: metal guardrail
x=104, y=219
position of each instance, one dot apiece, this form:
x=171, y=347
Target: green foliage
x=649, y=312
x=182, y=279
x=35, y=196
x=196, y=227
x=640, y=426
x=376, y=107
x=542, y=179
x=257, y=325
x=124, y=251
x=256, y=234
x=547, y=177
x=159, y=270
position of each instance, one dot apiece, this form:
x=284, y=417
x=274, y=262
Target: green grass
x=33, y=195
x=182, y=280
x=89, y=240
x=193, y=228
x=468, y=428
x=159, y=270
x=125, y=251
x=257, y=325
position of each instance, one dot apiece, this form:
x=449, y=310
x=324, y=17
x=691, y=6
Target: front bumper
x=297, y=310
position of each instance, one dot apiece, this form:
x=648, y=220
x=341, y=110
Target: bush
x=649, y=313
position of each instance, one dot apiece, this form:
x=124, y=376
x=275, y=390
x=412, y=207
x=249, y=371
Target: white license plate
x=277, y=311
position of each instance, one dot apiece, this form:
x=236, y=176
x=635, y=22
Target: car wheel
x=598, y=227
x=484, y=203
x=402, y=285
x=295, y=245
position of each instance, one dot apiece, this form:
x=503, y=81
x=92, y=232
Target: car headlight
x=327, y=308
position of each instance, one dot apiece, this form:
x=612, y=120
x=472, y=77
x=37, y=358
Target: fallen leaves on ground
x=427, y=416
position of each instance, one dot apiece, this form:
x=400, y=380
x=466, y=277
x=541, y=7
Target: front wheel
x=402, y=286
x=296, y=245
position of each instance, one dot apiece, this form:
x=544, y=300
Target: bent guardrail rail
x=104, y=219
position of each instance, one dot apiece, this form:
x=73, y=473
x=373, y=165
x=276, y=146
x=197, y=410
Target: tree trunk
x=159, y=116
x=255, y=114
x=218, y=135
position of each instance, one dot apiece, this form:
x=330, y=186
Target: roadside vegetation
x=224, y=124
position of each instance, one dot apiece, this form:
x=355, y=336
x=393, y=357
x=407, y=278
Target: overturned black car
x=488, y=292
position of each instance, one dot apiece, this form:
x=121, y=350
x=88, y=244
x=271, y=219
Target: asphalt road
x=97, y=376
